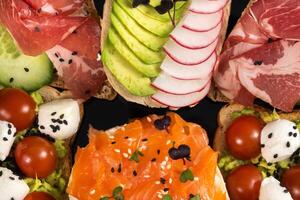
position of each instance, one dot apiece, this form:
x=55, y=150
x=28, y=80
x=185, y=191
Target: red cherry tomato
x=243, y=137
x=39, y=196
x=36, y=156
x=291, y=180
x=17, y=107
x=244, y=182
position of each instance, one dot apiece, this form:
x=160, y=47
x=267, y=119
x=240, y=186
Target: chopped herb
x=167, y=197
x=194, y=197
x=135, y=156
x=104, y=198
x=186, y=175
x=117, y=193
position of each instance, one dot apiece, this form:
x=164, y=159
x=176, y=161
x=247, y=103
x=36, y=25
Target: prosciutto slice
x=71, y=42
x=245, y=70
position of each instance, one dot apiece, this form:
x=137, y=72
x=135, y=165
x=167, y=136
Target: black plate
x=103, y=115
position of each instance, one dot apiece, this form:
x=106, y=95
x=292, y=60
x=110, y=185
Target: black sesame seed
x=70, y=61
x=74, y=53
x=1, y=173
x=285, y=191
x=294, y=127
x=114, y=142
x=288, y=144
x=5, y=139
x=9, y=125
x=65, y=122
x=144, y=140
x=9, y=131
x=61, y=60
x=54, y=113
x=61, y=116
x=11, y=178
x=59, y=121
x=295, y=134
x=268, y=174
x=269, y=164
x=258, y=62
x=275, y=155
x=153, y=159
x=262, y=145
x=12, y=198
x=112, y=170
x=134, y=173
x=162, y=180
x=126, y=137
x=270, y=135
x=37, y=29
x=119, y=168
x=290, y=134
x=56, y=55
x=158, y=151
x=166, y=189
x=42, y=127
x=74, y=32
x=26, y=69
x=11, y=80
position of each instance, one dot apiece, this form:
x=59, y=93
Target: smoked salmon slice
x=151, y=158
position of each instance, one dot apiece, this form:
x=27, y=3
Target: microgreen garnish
x=135, y=156
x=186, y=175
x=167, y=197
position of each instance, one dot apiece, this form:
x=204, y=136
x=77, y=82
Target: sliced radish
x=202, y=22
x=207, y=6
x=178, y=101
x=189, y=72
x=195, y=40
x=166, y=83
x=187, y=56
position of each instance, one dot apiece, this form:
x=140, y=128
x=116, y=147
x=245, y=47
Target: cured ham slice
x=279, y=19
x=35, y=34
x=55, y=6
x=272, y=75
x=76, y=60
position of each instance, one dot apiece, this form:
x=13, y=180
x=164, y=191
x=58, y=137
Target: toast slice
x=225, y=119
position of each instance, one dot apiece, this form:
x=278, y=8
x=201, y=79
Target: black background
x=102, y=114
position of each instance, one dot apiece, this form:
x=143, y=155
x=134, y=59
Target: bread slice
x=49, y=94
x=225, y=120
x=147, y=101
x=106, y=91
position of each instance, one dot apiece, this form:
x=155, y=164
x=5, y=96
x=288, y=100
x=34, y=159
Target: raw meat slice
x=195, y=40
x=164, y=82
x=188, y=56
x=178, y=101
x=189, y=72
x=201, y=22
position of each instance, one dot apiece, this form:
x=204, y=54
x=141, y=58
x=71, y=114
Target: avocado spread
x=227, y=162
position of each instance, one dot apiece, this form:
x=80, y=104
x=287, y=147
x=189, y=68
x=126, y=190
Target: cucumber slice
x=21, y=71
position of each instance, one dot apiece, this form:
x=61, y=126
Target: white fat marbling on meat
x=279, y=140
x=7, y=138
x=59, y=119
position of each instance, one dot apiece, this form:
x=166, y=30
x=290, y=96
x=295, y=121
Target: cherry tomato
x=244, y=182
x=36, y=156
x=17, y=107
x=243, y=137
x=39, y=196
x=291, y=180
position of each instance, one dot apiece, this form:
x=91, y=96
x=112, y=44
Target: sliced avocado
x=122, y=48
x=135, y=82
x=157, y=27
x=150, y=40
x=21, y=71
x=142, y=52
x=152, y=13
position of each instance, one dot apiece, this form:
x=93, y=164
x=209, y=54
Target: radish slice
x=195, y=40
x=166, y=83
x=207, y=6
x=186, y=56
x=202, y=22
x=178, y=101
x=189, y=72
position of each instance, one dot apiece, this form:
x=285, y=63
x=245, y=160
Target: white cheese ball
x=11, y=186
x=59, y=119
x=271, y=189
x=7, y=138
x=279, y=140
